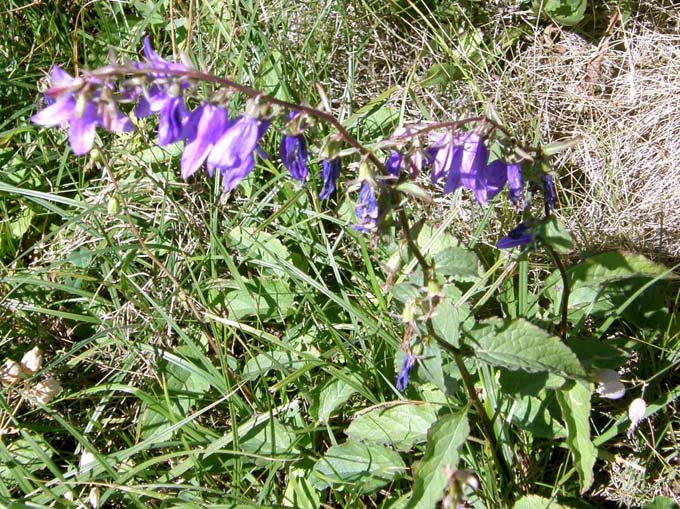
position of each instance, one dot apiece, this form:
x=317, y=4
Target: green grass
x=212, y=349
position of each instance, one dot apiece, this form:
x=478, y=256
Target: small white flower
x=610, y=386
x=45, y=391
x=94, y=497
x=31, y=362
x=10, y=373
x=636, y=413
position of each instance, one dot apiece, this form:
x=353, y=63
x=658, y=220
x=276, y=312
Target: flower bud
x=636, y=413
x=45, y=391
x=113, y=206
x=31, y=362
x=86, y=460
x=10, y=373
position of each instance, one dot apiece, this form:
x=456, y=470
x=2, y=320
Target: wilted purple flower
x=406, y=367
x=171, y=121
x=233, y=153
x=79, y=112
x=393, y=163
x=293, y=154
x=515, y=182
x=205, y=126
x=490, y=181
x=518, y=236
x=330, y=171
x=549, y=191
x=366, y=209
x=469, y=158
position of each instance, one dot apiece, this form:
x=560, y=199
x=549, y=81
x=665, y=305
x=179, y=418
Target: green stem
x=564, y=305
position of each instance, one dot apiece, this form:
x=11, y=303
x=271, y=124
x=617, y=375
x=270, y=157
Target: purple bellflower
x=549, y=191
x=171, y=120
x=159, y=63
x=406, y=367
x=366, y=209
x=441, y=155
x=293, y=154
x=470, y=157
x=330, y=171
x=81, y=114
x=520, y=235
x=233, y=154
x=205, y=126
x=515, y=183
x=393, y=163
x=490, y=181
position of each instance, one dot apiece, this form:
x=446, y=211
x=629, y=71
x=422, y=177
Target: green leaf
x=29, y=454
x=270, y=78
x=270, y=439
x=398, y=425
x=554, y=233
x=661, y=503
x=260, y=246
x=518, y=344
x=536, y=502
x=603, y=283
x=266, y=297
x=444, y=441
x=575, y=404
x=459, y=263
x=533, y=415
x=560, y=146
x=358, y=467
x=564, y=12
x=441, y=74
x=332, y=396
x=300, y=493
x=415, y=190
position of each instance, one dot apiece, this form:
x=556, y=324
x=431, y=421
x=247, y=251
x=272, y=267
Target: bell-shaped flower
x=293, y=154
x=471, y=156
x=490, y=181
x=636, y=414
x=10, y=372
x=515, y=183
x=520, y=235
x=330, y=171
x=441, y=155
x=171, y=121
x=366, y=209
x=204, y=127
x=234, y=152
x=32, y=361
x=393, y=163
x=404, y=374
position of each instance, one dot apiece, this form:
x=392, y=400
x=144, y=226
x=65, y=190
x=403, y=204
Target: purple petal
x=474, y=158
x=518, y=236
x=207, y=124
x=59, y=76
x=58, y=112
x=233, y=175
x=82, y=129
x=490, y=181
x=366, y=209
x=293, y=154
x=171, y=121
x=515, y=182
x=330, y=171
x=393, y=163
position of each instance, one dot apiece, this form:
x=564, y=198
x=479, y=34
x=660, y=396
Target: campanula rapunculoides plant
x=444, y=344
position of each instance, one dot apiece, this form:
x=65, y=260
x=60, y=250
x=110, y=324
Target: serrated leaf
x=459, y=263
x=333, y=395
x=444, y=441
x=358, y=467
x=575, y=404
x=518, y=344
x=536, y=502
x=398, y=425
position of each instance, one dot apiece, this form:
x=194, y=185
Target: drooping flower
x=158, y=62
x=515, y=182
x=366, y=209
x=441, y=155
x=293, y=154
x=393, y=163
x=233, y=154
x=490, y=181
x=406, y=367
x=549, y=191
x=636, y=414
x=78, y=110
x=205, y=126
x=330, y=171
x=518, y=236
x=610, y=385
x=473, y=159
x=171, y=121
x=32, y=361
